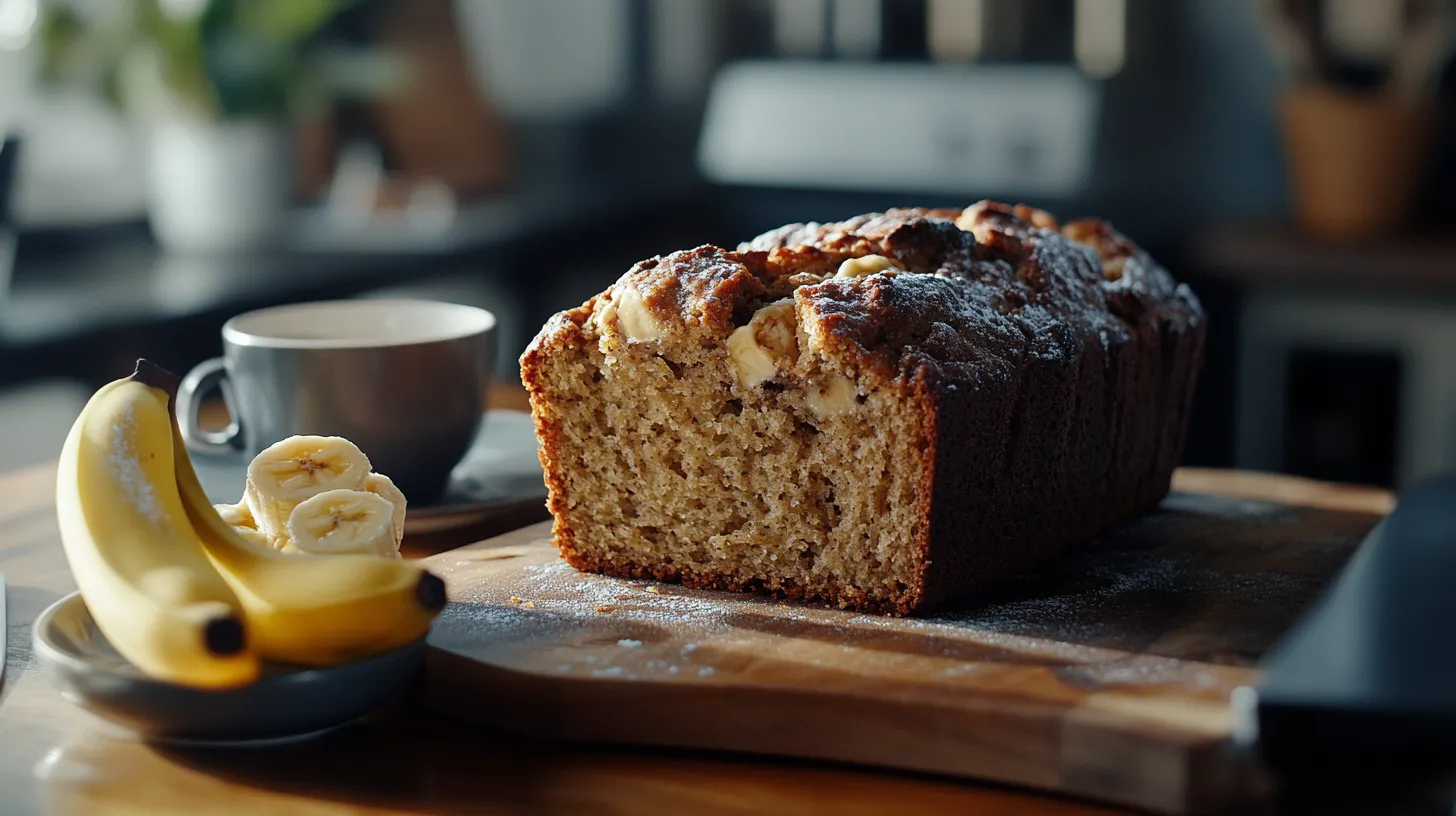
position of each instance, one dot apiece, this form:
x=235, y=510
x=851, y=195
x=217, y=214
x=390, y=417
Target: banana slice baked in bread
x=885, y=414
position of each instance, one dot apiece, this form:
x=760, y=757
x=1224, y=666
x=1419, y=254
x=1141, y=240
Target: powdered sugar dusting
x=598, y=626
x=964, y=633
x=1239, y=510
x=557, y=587
x=1079, y=613
x=127, y=469
x=1142, y=670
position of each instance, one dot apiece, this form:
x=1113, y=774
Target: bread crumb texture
x=885, y=413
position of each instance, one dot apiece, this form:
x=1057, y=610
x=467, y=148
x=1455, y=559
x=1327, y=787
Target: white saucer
x=500, y=471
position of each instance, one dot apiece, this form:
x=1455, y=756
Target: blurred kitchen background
x=170, y=163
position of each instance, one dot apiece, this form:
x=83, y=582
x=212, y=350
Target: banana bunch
x=317, y=495
x=136, y=557
x=178, y=590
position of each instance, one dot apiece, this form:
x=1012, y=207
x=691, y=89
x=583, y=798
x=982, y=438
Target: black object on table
x=1359, y=699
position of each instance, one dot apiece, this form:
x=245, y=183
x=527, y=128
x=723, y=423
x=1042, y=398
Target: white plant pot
x=219, y=187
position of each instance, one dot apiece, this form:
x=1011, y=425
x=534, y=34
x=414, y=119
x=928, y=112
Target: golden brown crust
x=560, y=334
x=1053, y=367
x=1003, y=282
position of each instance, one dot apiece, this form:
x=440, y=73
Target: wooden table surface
x=56, y=759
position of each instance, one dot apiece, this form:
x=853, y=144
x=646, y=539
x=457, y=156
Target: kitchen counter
x=1265, y=256
x=54, y=758
x=83, y=311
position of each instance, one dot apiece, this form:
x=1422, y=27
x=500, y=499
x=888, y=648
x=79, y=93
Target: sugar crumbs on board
x=1142, y=670
x=559, y=588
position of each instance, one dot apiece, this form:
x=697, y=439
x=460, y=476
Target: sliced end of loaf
x=662, y=466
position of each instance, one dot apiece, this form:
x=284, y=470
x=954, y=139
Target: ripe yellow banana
x=133, y=550
x=303, y=609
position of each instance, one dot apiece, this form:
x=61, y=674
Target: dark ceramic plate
x=286, y=702
x=501, y=470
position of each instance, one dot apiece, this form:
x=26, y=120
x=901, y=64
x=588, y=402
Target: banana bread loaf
x=885, y=414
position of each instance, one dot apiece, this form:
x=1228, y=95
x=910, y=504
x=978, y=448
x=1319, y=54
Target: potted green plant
x=218, y=85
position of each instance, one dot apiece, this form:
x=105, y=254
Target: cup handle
x=199, y=382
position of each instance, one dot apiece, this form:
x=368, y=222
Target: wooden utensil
x=1427, y=42
x=1293, y=27
x=1355, y=161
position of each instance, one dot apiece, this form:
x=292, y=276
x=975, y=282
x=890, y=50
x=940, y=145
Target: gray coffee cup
x=405, y=380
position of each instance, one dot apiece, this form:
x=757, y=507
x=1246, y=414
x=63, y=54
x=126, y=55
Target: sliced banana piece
x=344, y=521
x=296, y=469
x=384, y=487
x=236, y=515
x=766, y=346
x=240, y=518
x=253, y=536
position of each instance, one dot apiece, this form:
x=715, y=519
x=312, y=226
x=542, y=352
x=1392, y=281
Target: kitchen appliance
x=1004, y=130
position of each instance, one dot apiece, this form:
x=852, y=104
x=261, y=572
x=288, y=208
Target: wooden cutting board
x=1105, y=675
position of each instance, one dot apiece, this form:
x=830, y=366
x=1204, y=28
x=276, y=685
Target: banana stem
x=149, y=373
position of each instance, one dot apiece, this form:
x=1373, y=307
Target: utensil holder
x=1355, y=161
